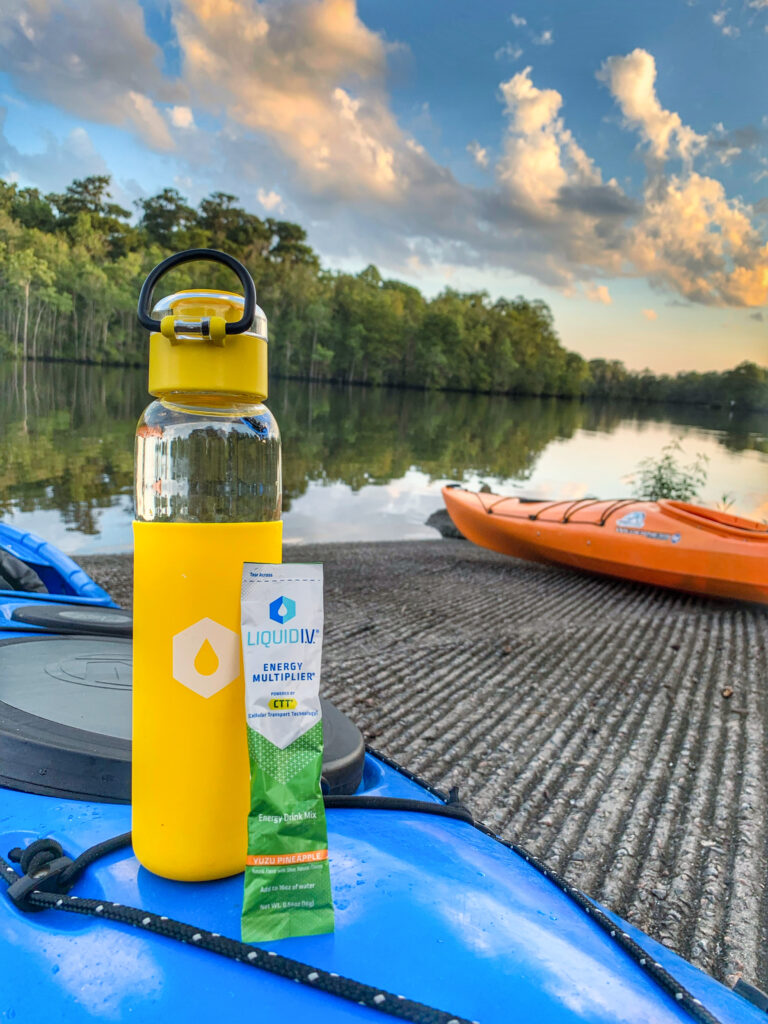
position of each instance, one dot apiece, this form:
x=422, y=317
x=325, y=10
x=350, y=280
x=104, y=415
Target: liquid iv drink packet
x=287, y=878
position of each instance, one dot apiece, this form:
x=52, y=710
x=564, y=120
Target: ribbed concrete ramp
x=617, y=730
x=584, y=717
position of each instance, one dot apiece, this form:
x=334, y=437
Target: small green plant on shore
x=665, y=477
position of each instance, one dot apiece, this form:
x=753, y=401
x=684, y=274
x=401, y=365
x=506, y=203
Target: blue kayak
x=62, y=578
x=65, y=598
x=428, y=907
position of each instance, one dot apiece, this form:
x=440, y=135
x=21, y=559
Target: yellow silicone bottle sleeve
x=190, y=758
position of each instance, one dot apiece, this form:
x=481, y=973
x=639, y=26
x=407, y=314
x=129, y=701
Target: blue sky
x=610, y=158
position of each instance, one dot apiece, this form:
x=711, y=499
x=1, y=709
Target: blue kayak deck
x=426, y=907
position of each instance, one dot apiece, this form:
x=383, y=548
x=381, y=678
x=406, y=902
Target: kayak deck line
x=44, y=865
x=714, y=520
x=573, y=507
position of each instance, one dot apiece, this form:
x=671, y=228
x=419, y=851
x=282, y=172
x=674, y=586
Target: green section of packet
x=287, y=878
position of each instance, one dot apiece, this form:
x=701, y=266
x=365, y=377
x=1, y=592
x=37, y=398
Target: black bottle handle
x=188, y=256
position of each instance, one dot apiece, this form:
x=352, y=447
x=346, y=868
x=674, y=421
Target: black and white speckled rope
x=200, y=938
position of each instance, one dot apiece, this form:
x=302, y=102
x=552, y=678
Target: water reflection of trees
x=738, y=432
x=66, y=438
x=372, y=435
x=364, y=436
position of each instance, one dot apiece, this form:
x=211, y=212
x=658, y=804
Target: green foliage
x=664, y=477
x=71, y=265
x=745, y=387
x=166, y=217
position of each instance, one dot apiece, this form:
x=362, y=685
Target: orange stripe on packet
x=274, y=860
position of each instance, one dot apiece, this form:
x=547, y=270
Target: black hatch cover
x=75, y=618
x=65, y=721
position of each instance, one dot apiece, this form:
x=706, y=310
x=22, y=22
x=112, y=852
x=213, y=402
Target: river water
x=359, y=463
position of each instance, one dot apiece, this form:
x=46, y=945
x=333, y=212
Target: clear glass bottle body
x=208, y=459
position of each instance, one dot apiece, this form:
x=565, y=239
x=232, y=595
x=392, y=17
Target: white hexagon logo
x=206, y=657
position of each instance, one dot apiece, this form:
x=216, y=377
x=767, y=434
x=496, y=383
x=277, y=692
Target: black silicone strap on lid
x=189, y=256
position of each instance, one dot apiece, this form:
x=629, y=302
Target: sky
x=608, y=157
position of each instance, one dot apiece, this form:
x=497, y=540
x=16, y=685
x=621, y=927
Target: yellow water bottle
x=208, y=498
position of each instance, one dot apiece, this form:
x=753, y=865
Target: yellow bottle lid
x=192, y=354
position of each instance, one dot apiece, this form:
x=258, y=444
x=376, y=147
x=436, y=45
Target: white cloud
x=517, y=20
x=282, y=76
x=181, y=117
x=544, y=38
x=631, y=80
x=271, y=200
x=147, y=119
x=598, y=293
x=718, y=19
x=550, y=213
x=531, y=109
x=479, y=153
x=510, y=51
x=540, y=155
x=686, y=234
x=727, y=155
x=694, y=239
x=650, y=314
x=725, y=146
x=92, y=59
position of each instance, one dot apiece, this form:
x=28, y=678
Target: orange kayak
x=667, y=543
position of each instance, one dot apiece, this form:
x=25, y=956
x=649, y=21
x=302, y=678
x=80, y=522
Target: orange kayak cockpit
x=666, y=543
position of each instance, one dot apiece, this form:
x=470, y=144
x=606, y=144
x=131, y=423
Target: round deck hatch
x=65, y=720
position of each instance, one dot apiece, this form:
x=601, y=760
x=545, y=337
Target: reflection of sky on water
x=589, y=462
x=602, y=464
x=114, y=524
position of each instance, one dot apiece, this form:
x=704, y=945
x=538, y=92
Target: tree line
x=72, y=263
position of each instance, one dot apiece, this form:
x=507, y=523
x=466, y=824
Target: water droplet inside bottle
x=206, y=661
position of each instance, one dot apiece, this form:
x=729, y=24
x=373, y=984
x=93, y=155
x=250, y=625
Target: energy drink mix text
x=208, y=498
x=287, y=879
